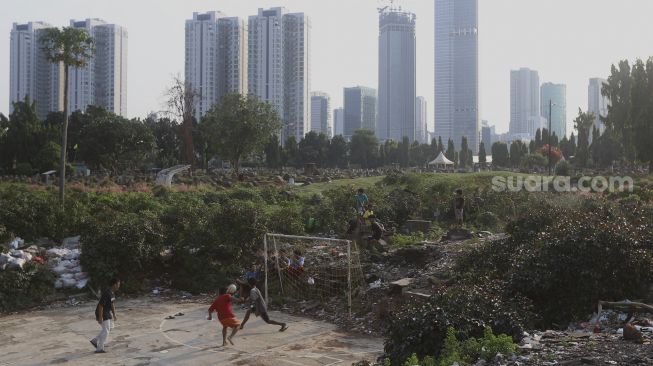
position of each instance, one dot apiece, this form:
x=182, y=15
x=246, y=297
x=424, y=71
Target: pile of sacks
x=64, y=262
x=16, y=258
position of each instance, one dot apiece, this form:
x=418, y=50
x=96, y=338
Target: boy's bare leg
x=233, y=333
x=249, y=311
x=224, y=336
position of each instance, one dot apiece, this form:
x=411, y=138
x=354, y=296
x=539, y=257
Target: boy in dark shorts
x=223, y=306
x=105, y=315
x=458, y=206
x=259, y=307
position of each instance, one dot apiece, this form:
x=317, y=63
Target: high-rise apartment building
x=103, y=82
x=557, y=94
x=339, y=121
x=216, y=58
x=525, y=114
x=279, y=66
x=397, y=76
x=456, y=72
x=30, y=74
x=422, y=133
x=360, y=110
x=597, y=103
x=321, y=113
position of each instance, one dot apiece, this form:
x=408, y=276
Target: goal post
x=312, y=268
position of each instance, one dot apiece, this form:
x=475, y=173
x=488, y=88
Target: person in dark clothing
x=259, y=307
x=458, y=206
x=105, y=315
x=377, y=229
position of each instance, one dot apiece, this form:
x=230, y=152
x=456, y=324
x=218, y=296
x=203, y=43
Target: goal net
x=310, y=268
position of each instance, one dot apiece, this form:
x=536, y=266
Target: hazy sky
x=567, y=41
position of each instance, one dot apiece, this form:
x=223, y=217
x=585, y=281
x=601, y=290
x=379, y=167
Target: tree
x=404, y=152
x=71, y=47
x=337, y=152
x=364, y=148
x=583, y=123
x=273, y=153
x=481, y=153
x=538, y=139
x=606, y=149
x=618, y=89
x=313, y=148
x=642, y=111
x=167, y=140
x=180, y=103
x=290, y=153
x=464, y=152
x=517, y=150
x=500, y=156
x=533, y=161
x=239, y=126
x=440, y=146
x=451, y=151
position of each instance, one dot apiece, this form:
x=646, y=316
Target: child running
x=223, y=306
x=259, y=307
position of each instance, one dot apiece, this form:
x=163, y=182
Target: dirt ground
x=142, y=336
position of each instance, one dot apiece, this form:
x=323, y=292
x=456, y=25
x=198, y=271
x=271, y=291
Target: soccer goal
x=312, y=268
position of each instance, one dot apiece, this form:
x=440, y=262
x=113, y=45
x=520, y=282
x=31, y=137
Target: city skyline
x=586, y=38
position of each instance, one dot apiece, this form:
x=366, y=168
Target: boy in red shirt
x=223, y=306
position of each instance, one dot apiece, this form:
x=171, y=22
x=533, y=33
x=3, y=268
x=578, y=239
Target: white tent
x=441, y=160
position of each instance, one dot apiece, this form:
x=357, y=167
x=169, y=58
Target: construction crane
x=388, y=4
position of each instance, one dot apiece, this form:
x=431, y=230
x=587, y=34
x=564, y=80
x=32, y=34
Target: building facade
x=30, y=74
x=397, y=76
x=215, y=58
x=525, y=114
x=557, y=94
x=359, y=110
x=321, y=121
x=456, y=72
x=486, y=137
x=279, y=66
x=597, y=103
x=339, y=121
x=422, y=133
x=103, y=82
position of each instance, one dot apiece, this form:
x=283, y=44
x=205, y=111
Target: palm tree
x=73, y=47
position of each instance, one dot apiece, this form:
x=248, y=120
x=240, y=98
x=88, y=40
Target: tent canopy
x=441, y=160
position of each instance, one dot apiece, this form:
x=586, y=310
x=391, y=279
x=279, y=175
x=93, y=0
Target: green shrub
x=23, y=288
x=400, y=240
x=286, y=219
x=563, y=168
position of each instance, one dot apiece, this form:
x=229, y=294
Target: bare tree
x=180, y=104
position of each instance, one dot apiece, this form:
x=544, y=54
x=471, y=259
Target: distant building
x=359, y=110
x=557, y=94
x=525, y=116
x=339, y=121
x=486, y=136
x=279, y=66
x=321, y=113
x=103, y=82
x=597, y=103
x=397, y=76
x=216, y=58
x=456, y=71
x=422, y=134
x=30, y=74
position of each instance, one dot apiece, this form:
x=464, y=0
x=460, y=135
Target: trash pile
x=18, y=258
x=65, y=263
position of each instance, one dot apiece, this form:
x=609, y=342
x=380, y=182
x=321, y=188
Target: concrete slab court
x=142, y=336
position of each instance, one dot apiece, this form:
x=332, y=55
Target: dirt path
x=143, y=336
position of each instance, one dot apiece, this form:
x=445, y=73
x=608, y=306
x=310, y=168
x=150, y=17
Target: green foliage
x=239, y=126
x=500, y=156
x=23, y=288
x=400, y=240
x=533, y=161
x=563, y=168
x=286, y=219
x=364, y=148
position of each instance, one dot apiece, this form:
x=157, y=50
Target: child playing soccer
x=223, y=306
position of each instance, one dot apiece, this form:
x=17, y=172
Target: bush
x=126, y=246
x=286, y=219
x=469, y=308
x=23, y=288
x=563, y=168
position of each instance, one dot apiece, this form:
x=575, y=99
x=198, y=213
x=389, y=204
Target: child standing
x=223, y=306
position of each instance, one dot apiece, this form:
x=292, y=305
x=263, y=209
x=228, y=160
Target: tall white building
x=103, y=82
x=597, y=103
x=216, y=58
x=397, y=76
x=556, y=94
x=456, y=72
x=321, y=121
x=339, y=121
x=30, y=74
x=279, y=66
x=422, y=134
x=525, y=116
